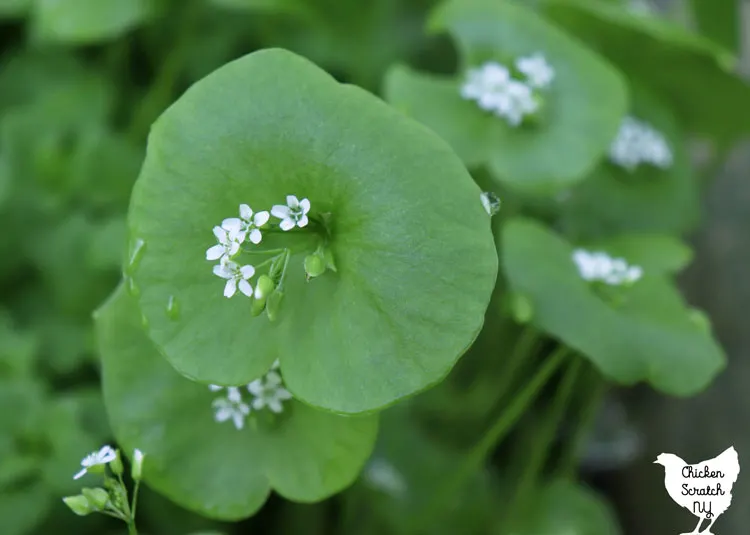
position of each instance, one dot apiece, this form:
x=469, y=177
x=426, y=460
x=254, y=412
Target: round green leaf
x=411, y=242
x=681, y=66
x=650, y=336
x=587, y=97
x=648, y=199
x=565, y=507
x=211, y=468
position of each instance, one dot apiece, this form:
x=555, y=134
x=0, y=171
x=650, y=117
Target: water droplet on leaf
x=132, y=287
x=136, y=254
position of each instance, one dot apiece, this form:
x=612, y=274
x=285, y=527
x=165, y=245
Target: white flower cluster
x=637, y=142
x=493, y=87
x=106, y=455
x=599, y=266
x=266, y=392
x=234, y=231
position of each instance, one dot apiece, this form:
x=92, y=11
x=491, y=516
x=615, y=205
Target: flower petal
x=246, y=212
x=231, y=288
x=246, y=288
x=80, y=474
x=234, y=248
x=256, y=387
x=215, y=388
x=272, y=379
x=275, y=405
x=259, y=403
x=261, y=218
x=232, y=224
x=220, y=233
x=287, y=224
x=247, y=271
x=221, y=270
x=280, y=211
x=215, y=252
x=283, y=393
x=292, y=202
x=302, y=221
x=305, y=205
x=223, y=414
x=255, y=236
x=239, y=420
x=233, y=394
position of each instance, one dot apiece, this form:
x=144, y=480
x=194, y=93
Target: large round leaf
x=583, y=107
x=213, y=468
x=410, y=238
x=681, y=65
x=651, y=336
x=648, y=199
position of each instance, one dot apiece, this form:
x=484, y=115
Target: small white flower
x=269, y=392
x=247, y=225
x=102, y=457
x=231, y=408
x=637, y=142
x=599, y=266
x=236, y=276
x=493, y=89
x=229, y=244
x=382, y=475
x=539, y=74
x=293, y=213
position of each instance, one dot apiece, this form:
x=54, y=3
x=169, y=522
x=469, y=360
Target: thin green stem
x=522, y=352
x=545, y=436
x=474, y=460
x=125, y=494
x=136, y=488
x=118, y=515
x=283, y=271
x=595, y=388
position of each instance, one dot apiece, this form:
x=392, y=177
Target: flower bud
x=315, y=266
x=97, y=498
x=79, y=505
x=116, y=465
x=273, y=304
x=521, y=308
x=137, y=469
x=264, y=287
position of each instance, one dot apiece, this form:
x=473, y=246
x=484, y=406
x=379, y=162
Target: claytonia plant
x=495, y=89
x=637, y=143
x=247, y=225
x=600, y=267
x=112, y=498
x=267, y=392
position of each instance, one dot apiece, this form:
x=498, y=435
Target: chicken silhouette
x=704, y=489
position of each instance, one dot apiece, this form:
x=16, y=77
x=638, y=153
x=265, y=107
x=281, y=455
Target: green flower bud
x=273, y=304
x=521, y=308
x=315, y=266
x=264, y=287
x=328, y=256
x=97, y=498
x=700, y=319
x=257, y=307
x=137, y=469
x=116, y=465
x=79, y=505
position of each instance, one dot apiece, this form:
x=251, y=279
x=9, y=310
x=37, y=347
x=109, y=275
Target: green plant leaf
x=86, y=21
x=614, y=200
x=586, y=97
x=413, y=247
x=650, y=336
x=566, y=507
x=10, y=9
x=211, y=468
x=681, y=66
x=720, y=21
x=655, y=253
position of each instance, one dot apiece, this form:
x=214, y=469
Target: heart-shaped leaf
x=681, y=66
x=411, y=242
x=213, y=468
x=650, y=336
x=586, y=97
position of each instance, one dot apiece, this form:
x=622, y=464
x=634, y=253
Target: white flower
x=599, y=266
x=539, y=74
x=231, y=408
x=293, y=213
x=269, y=392
x=229, y=244
x=104, y=456
x=247, y=225
x=235, y=276
x=382, y=475
x=493, y=89
x=638, y=142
